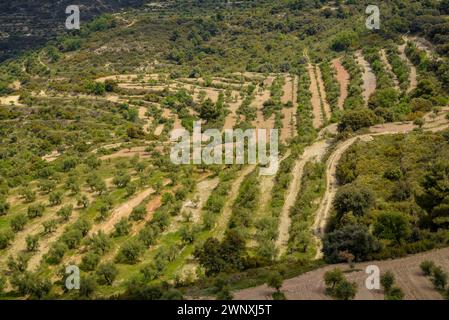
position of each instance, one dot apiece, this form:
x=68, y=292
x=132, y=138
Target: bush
x=331, y=279
x=35, y=210
x=357, y=119
x=89, y=261
x=72, y=238
x=338, y=287
x=130, y=252
x=352, y=238
x=355, y=199
x=4, y=207
x=345, y=290
x=32, y=242
x=427, y=267
x=395, y=293
x=56, y=253
x=88, y=285
x=172, y=294
x=138, y=213
x=149, y=272
x=106, y=273
x=439, y=278
x=18, y=222
x=5, y=238
x=49, y=226
x=2, y=284
x=393, y=226
x=387, y=281
x=65, y=212
x=122, y=228
x=343, y=41
x=275, y=281
x=55, y=198
x=100, y=243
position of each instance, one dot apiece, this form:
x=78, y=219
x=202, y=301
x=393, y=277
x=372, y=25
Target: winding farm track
x=413, y=82
x=203, y=191
x=369, y=79
x=313, y=152
x=223, y=220
x=122, y=211
x=343, y=79
x=322, y=215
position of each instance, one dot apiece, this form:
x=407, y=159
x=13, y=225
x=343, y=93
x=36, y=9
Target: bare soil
x=310, y=286
x=318, y=118
x=289, y=114
x=343, y=79
x=369, y=79
x=313, y=152
x=123, y=211
x=223, y=220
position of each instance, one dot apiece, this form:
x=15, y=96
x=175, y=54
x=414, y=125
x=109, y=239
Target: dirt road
x=315, y=151
x=343, y=79
x=123, y=211
x=223, y=220
x=322, y=215
x=413, y=82
x=369, y=79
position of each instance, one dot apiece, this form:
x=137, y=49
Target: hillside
x=87, y=175
x=26, y=25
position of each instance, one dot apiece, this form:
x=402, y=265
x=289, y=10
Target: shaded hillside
x=27, y=24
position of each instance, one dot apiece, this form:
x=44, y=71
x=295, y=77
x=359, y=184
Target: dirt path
x=39, y=59
x=310, y=285
x=424, y=45
x=261, y=122
x=384, y=58
x=231, y=118
x=324, y=103
x=170, y=115
x=289, y=114
x=203, y=190
x=123, y=211
x=413, y=82
x=315, y=151
x=343, y=79
x=127, y=153
x=369, y=79
x=10, y=100
x=142, y=116
x=223, y=220
x=318, y=119
x=159, y=129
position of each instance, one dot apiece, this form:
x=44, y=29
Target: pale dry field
x=310, y=286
